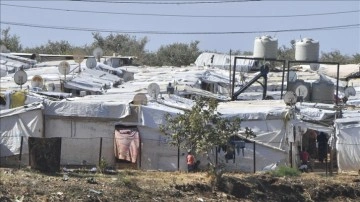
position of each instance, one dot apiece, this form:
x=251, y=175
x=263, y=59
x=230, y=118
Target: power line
x=168, y=2
x=180, y=33
x=188, y=16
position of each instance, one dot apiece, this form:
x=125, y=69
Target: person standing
x=190, y=159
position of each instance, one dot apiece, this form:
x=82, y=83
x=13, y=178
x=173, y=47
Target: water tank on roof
x=307, y=49
x=265, y=47
x=323, y=92
x=301, y=88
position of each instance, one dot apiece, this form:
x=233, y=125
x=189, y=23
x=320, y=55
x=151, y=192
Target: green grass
x=283, y=171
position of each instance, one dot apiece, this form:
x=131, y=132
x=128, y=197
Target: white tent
x=348, y=144
x=16, y=123
x=224, y=61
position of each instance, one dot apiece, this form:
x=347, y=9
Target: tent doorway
x=127, y=147
x=316, y=144
x=45, y=154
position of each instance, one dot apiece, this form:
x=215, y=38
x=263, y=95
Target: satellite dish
x=127, y=76
x=314, y=66
x=153, y=90
x=301, y=91
x=98, y=52
x=37, y=81
x=64, y=68
x=91, y=63
x=20, y=77
x=140, y=99
x=3, y=71
x=350, y=91
x=292, y=76
x=290, y=98
x=78, y=56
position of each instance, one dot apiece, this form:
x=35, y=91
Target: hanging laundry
x=126, y=144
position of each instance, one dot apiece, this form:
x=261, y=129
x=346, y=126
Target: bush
x=282, y=171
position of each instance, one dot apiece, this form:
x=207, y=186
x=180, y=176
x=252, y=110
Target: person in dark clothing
x=322, y=146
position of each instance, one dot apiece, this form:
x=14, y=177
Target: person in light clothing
x=190, y=160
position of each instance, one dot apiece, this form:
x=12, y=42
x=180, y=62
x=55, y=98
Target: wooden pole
x=254, y=159
x=100, y=151
x=21, y=146
x=178, y=159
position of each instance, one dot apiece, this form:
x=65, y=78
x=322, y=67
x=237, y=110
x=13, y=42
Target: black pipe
x=263, y=73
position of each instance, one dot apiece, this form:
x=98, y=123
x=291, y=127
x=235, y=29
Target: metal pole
x=178, y=159
x=21, y=146
x=100, y=152
x=326, y=163
x=254, y=159
x=233, y=81
x=287, y=76
x=216, y=156
x=291, y=154
x=140, y=152
x=337, y=84
x=230, y=88
x=282, y=80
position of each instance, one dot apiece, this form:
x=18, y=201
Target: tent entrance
x=45, y=154
x=316, y=144
x=126, y=147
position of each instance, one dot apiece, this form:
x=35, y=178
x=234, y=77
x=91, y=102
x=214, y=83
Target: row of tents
x=115, y=127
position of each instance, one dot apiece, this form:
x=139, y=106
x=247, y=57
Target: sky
x=219, y=25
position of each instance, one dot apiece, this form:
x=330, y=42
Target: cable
x=167, y=2
x=182, y=33
x=185, y=16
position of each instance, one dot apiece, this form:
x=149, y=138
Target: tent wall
x=12, y=128
x=81, y=139
x=157, y=154
x=271, y=132
x=264, y=156
x=348, y=145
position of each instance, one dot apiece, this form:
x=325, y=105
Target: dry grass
x=135, y=185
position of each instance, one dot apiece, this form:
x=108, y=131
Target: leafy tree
x=121, y=44
x=335, y=56
x=201, y=129
x=151, y=59
x=53, y=47
x=11, y=42
x=239, y=52
x=178, y=54
x=356, y=58
x=286, y=53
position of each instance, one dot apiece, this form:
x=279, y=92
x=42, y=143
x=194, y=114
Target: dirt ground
x=134, y=185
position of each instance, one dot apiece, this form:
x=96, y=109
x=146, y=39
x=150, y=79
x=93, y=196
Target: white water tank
x=265, y=47
x=307, y=49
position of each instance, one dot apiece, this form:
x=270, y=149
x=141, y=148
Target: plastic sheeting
x=154, y=116
x=348, y=144
x=223, y=61
x=17, y=123
x=107, y=110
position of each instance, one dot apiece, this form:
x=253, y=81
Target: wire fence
x=165, y=140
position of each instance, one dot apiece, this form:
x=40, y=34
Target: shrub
x=282, y=171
